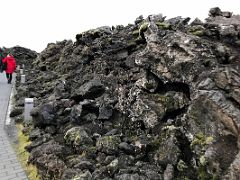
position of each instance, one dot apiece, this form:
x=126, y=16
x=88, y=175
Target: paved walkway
x=10, y=168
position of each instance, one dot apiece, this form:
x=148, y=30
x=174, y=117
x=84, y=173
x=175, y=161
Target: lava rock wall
x=158, y=99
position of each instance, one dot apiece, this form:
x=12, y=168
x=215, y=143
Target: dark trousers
x=9, y=77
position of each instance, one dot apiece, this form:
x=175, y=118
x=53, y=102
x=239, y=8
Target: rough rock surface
x=24, y=57
x=158, y=99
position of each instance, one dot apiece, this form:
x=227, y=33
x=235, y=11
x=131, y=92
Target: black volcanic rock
x=89, y=90
x=157, y=99
x=23, y=56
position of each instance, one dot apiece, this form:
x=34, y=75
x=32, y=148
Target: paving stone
x=10, y=168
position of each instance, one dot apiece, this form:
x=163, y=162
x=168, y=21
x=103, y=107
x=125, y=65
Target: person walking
x=11, y=67
x=1, y=63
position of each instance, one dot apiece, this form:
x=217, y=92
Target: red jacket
x=11, y=64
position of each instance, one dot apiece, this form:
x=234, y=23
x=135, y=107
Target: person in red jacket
x=11, y=67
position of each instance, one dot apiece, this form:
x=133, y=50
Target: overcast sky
x=35, y=23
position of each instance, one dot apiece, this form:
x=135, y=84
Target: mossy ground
x=23, y=155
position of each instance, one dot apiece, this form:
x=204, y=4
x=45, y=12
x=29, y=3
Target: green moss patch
x=163, y=25
x=197, y=30
x=201, y=140
x=23, y=155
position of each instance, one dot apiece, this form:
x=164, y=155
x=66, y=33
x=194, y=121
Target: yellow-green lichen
x=202, y=160
x=108, y=143
x=77, y=136
x=143, y=28
x=201, y=140
x=181, y=166
x=163, y=25
x=135, y=33
x=197, y=30
x=198, y=33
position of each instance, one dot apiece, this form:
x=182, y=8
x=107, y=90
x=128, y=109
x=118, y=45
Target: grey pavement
x=10, y=168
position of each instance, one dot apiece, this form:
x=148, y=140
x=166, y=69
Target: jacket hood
x=10, y=58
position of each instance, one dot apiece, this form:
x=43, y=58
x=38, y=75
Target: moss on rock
x=163, y=25
x=135, y=33
x=108, y=144
x=77, y=136
x=143, y=28
x=201, y=140
x=197, y=30
x=181, y=166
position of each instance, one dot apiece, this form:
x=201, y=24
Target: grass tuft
x=23, y=155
